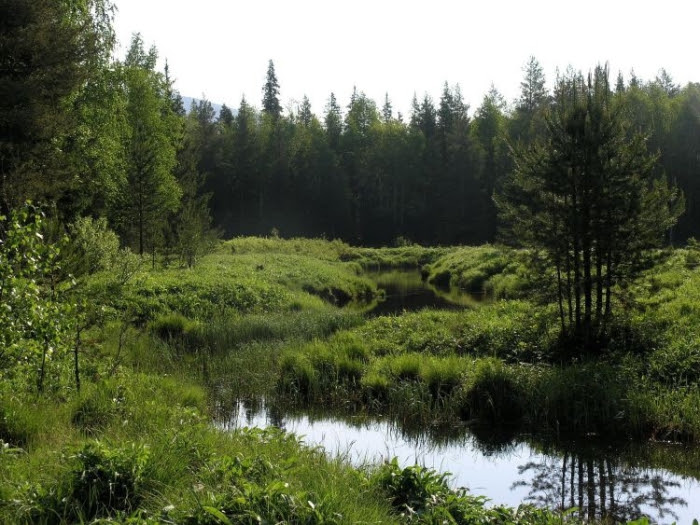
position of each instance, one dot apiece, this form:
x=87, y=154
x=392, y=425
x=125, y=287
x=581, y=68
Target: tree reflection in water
x=600, y=488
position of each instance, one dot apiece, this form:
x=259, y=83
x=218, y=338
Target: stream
x=622, y=482
x=619, y=481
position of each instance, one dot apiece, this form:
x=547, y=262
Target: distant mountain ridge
x=187, y=102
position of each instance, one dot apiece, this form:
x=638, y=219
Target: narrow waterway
x=406, y=291
x=620, y=482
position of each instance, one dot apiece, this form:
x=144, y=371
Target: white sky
x=220, y=48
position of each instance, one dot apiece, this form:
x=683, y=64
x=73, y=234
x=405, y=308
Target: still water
x=621, y=482
x=405, y=291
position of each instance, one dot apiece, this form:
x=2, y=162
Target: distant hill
x=187, y=102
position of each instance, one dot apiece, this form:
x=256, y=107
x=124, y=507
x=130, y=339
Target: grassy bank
x=503, y=364
x=170, y=349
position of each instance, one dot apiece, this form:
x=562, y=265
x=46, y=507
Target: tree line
x=94, y=136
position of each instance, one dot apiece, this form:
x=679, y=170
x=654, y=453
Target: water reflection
x=618, y=483
x=405, y=290
x=602, y=487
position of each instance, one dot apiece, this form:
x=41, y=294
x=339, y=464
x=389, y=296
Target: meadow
x=170, y=348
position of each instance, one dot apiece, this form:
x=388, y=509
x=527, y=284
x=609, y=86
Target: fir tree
x=271, y=92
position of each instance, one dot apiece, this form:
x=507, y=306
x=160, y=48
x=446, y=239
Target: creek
x=618, y=481
x=406, y=291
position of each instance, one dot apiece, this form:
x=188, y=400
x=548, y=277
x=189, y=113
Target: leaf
x=216, y=513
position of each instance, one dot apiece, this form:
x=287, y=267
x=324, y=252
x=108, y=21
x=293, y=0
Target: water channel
x=406, y=291
x=621, y=481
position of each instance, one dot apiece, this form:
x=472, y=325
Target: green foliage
x=150, y=191
x=592, y=219
x=108, y=480
x=51, y=51
x=422, y=496
x=496, y=271
x=93, y=247
x=37, y=321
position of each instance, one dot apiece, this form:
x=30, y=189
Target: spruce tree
x=587, y=198
x=50, y=52
x=333, y=122
x=271, y=92
x=150, y=191
x=387, y=111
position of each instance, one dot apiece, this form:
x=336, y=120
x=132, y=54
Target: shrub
x=492, y=394
x=97, y=408
x=174, y=326
x=109, y=480
x=93, y=246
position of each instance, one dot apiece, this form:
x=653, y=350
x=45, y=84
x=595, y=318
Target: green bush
x=174, y=327
x=493, y=395
x=96, y=409
x=108, y=480
x=93, y=247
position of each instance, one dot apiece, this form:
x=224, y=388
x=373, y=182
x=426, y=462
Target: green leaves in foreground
x=421, y=495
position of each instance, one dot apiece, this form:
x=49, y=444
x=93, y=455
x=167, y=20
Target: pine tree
x=387, y=112
x=150, y=191
x=271, y=92
x=333, y=122
x=620, y=83
x=528, y=119
x=50, y=52
x=305, y=114
x=587, y=198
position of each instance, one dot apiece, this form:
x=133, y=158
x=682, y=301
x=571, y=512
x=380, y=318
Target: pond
x=622, y=482
x=405, y=290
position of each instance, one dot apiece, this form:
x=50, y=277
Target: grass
x=177, y=348
x=495, y=271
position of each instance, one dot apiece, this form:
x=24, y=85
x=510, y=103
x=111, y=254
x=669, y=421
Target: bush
x=492, y=394
x=93, y=247
x=173, y=327
x=109, y=480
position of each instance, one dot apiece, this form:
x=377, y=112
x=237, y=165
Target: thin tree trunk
x=580, y=487
x=572, y=476
x=560, y=297
x=563, y=482
x=599, y=287
x=590, y=486
x=587, y=289
x=603, y=496
x=76, y=364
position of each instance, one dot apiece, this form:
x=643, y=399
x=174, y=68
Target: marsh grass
x=258, y=318
x=496, y=271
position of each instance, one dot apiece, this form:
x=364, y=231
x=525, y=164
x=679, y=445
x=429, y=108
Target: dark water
x=405, y=291
x=621, y=482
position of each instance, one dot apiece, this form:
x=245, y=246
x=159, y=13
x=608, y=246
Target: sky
x=219, y=49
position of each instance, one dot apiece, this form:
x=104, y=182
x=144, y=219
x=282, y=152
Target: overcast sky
x=220, y=48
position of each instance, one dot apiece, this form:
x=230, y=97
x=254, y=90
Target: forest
x=518, y=276
x=120, y=145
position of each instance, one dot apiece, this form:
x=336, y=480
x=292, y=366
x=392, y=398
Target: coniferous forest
x=111, y=138
x=185, y=292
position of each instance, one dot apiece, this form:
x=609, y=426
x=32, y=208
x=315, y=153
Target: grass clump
x=488, y=269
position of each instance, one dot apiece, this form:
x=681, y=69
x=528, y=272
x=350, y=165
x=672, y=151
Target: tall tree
x=333, y=122
x=527, y=121
x=387, y=111
x=49, y=51
x=587, y=197
x=271, y=93
x=489, y=132
x=305, y=114
x=151, y=191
